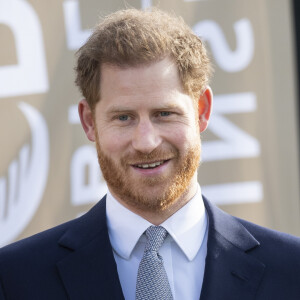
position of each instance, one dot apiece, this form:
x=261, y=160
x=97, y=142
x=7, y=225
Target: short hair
x=132, y=37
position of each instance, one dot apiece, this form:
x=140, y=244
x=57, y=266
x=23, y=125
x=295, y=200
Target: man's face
x=147, y=135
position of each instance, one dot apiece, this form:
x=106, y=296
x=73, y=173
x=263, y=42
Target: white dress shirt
x=183, y=251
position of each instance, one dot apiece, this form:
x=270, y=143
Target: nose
x=146, y=138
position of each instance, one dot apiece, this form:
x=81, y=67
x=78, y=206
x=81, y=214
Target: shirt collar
x=187, y=226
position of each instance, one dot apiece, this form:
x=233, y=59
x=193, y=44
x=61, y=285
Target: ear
x=87, y=120
x=205, y=108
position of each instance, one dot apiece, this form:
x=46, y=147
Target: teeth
x=153, y=165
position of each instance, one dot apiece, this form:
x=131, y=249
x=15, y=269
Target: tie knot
x=155, y=237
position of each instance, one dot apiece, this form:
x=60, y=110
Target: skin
x=144, y=116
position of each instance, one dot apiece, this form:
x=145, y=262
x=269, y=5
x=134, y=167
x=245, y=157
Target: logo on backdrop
x=22, y=190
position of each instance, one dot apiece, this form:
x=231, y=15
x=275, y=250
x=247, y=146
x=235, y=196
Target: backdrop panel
x=49, y=171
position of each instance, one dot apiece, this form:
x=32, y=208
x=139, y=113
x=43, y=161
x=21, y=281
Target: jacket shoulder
x=279, y=251
x=33, y=246
x=269, y=237
x=31, y=264
x=78, y=230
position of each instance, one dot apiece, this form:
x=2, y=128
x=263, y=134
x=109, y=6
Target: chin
x=151, y=199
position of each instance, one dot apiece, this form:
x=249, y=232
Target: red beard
x=154, y=193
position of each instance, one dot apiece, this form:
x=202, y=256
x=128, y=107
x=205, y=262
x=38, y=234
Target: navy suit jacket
x=75, y=261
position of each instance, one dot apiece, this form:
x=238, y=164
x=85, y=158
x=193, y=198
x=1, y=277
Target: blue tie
x=152, y=281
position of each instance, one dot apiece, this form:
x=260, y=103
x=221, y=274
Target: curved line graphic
x=31, y=169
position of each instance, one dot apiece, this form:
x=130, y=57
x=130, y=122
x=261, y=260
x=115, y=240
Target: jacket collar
x=89, y=271
x=230, y=270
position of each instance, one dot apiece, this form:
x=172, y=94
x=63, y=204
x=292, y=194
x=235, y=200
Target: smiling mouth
x=150, y=165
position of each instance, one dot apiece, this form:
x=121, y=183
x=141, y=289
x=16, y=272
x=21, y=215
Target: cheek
x=178, y=141
x=112, y=144
x=183, y=136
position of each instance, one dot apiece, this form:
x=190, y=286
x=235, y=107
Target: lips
x=149, y=165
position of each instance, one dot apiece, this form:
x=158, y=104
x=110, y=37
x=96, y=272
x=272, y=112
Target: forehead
x=161, y=75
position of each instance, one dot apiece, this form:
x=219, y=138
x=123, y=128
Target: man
x=144, y=76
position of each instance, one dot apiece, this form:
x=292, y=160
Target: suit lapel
x=89, y=271
x=230, y=270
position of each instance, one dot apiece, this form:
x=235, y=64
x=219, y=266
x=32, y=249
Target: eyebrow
x=117, y=108
x=169, y=106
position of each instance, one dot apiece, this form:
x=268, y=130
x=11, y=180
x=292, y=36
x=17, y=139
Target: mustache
x=155, y=155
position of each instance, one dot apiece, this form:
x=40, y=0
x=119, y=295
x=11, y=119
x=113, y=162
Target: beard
x=156, y=193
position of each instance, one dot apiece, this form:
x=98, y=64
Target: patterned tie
x=152, y=281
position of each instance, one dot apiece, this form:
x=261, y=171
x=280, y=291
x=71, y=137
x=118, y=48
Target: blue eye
x=123, y=117
x=165, y=113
